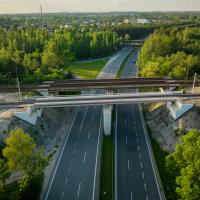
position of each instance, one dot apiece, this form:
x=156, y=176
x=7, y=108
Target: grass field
x=87, y=70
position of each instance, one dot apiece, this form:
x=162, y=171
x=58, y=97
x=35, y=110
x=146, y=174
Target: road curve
x=135, y=178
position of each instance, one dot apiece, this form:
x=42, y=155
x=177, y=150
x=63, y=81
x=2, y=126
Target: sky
x=26, y=6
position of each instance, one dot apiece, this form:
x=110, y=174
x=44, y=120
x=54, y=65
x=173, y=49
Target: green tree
x=4, y=171
x=23, y=154
x=184, y=165
x=127, y=37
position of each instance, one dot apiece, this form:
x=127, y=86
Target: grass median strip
x=123, y=65
x=106, y=178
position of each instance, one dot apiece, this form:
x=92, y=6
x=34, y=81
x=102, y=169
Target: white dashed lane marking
x=141, y=165
x=79, y=188
x=145, y=187
x=63, y=194
x=131, y=196
x=84, y=158
x=128, y=165
x=68, y=171
x=143, y=175
x=66, y=181
x=89, y=135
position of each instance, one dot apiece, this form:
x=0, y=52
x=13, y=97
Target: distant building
x=130, y=21
x=143, y=21
x=126, y=21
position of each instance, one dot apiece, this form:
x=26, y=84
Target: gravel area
x=164, y=129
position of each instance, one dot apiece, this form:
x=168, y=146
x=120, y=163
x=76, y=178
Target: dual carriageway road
x=77, y=169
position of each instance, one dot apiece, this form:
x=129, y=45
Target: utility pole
x=20, y=96
x=195, y=75
x=41, y=11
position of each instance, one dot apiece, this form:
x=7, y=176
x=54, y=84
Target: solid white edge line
x=145, y=133
x=96, y=162
x=116, y=153
x=60, y=156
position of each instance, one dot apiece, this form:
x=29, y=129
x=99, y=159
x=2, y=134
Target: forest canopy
x=171, y=52
x=36, y=55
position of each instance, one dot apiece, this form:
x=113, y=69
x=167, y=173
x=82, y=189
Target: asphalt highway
x=134, y=175
x=76, y=172
x=113, y=65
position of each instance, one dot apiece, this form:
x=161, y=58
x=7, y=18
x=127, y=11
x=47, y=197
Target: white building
x=143, y=21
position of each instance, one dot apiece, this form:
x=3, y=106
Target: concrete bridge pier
x=30, y=115
x=107, y=119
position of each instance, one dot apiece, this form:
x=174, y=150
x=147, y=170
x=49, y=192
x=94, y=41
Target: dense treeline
x=38, y=54
x=171, y=52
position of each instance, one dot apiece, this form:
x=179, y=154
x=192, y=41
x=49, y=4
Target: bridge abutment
x=107, y=119
x=30, y=115
x=177, y=109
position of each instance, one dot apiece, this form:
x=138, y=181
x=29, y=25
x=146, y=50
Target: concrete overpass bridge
x=35, y=106
x=135, y=43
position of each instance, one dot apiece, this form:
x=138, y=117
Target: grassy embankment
x=87, y=70
x=160, y=157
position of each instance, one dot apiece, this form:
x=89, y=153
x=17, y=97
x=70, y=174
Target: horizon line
x=114, y=11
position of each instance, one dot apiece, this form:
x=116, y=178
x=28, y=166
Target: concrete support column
x=107, y=119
